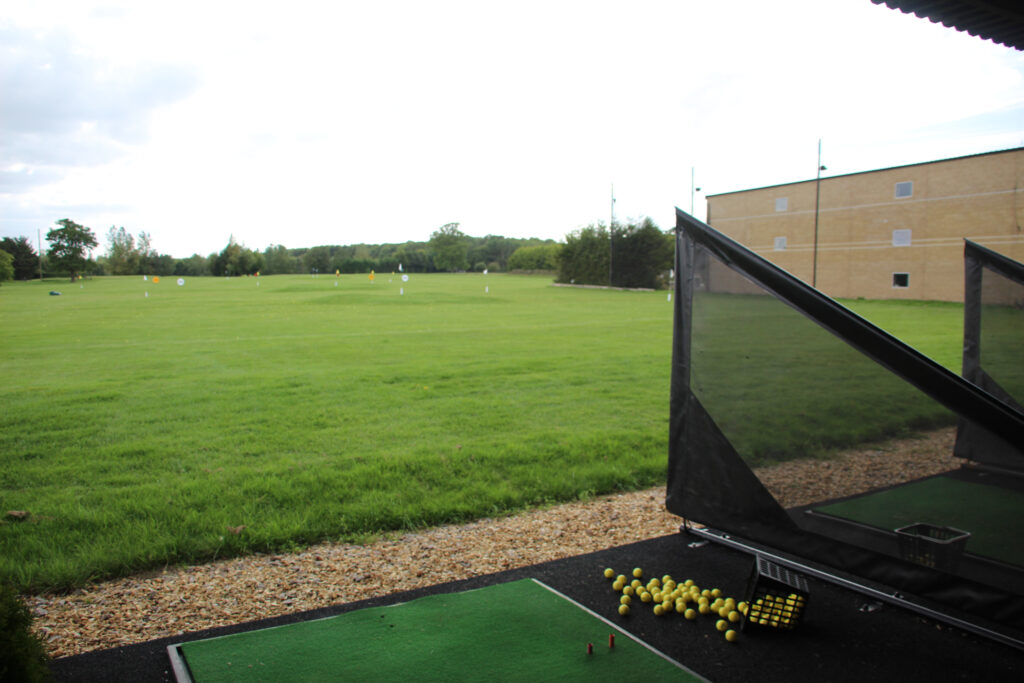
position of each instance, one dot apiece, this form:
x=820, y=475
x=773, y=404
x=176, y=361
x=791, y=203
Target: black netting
x=781, y=387
x=1002, y=332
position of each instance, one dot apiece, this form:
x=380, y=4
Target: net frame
x=709, y=483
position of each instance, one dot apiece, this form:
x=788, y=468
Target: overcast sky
x=306, y=123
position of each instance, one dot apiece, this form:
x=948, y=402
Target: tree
x=235, y=259
x=317, y=259
x=149, y=259
x=534, y=257
x=193, y=266
x=26, y=262
x=6, y=266
x=122, y=256
x=640, y=253
x=279, y=260
x=449, y=247
x=583, y=258
x=68, y=245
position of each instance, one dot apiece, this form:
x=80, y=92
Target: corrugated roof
x=1001, y=21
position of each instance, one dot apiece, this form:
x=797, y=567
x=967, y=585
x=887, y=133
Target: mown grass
x=144, y=431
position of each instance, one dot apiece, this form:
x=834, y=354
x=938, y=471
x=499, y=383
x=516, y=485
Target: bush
x=22, y=656
x=6, y=266
x=536, y=257
x=639, y=252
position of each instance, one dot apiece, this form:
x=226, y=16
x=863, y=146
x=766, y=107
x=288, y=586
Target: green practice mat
x=994, y=516
x=517, y=631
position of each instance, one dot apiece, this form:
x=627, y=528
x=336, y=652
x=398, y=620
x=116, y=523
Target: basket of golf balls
x=666, y=597
x=777, y=597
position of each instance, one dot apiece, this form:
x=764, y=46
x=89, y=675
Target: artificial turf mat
x=994, y=516
x=520, y=630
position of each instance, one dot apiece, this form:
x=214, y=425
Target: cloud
x=64, y=108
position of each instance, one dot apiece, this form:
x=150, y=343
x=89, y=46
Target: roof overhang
x=1001, y=21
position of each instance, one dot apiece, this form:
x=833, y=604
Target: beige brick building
x=885, y=234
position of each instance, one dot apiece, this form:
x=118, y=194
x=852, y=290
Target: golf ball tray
x=777, y=597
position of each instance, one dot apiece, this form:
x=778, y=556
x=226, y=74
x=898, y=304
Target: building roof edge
x=876, y=170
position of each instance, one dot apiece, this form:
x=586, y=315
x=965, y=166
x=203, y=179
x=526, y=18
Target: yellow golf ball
x=731, y=636
x=638, y=572
x=628, y=590
x=703, y=608
x=609, y=573
x=623, y=610
x=733, y=616
x=645, y=597
x=659, y=609
x=690, y=614
x=722, y=625
x=625, y=600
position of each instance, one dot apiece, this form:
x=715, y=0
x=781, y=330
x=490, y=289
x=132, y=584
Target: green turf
x=992, y=515
x=226, y=417
x=518, y=631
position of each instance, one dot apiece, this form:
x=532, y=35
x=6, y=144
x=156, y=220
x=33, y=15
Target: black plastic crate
x=776, y=597
x=940, y=547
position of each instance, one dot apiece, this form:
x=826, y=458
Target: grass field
x=141, y=431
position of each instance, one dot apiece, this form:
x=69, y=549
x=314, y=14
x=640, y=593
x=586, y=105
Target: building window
x=905, y=189
x=781, y=203
x=780, y=244
x=901, y=238
x=900, y=280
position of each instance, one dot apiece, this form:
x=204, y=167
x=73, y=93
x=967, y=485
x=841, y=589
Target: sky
x=308, y=123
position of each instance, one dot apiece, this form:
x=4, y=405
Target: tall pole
x=817, y=205
x=611, y=238
x=39, y=235
x=692, y=188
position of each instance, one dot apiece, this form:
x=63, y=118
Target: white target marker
x=181, y=282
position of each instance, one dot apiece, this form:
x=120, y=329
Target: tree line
x=634, y=254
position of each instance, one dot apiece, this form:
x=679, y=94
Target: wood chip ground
x=179, y=600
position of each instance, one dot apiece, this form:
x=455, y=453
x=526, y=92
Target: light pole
x=693, y=189
x=611, y=237
x=817, y=205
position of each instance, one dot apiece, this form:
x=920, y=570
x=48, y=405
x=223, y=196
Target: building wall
x=978, y=197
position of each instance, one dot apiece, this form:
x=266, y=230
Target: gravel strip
x=178, y=600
